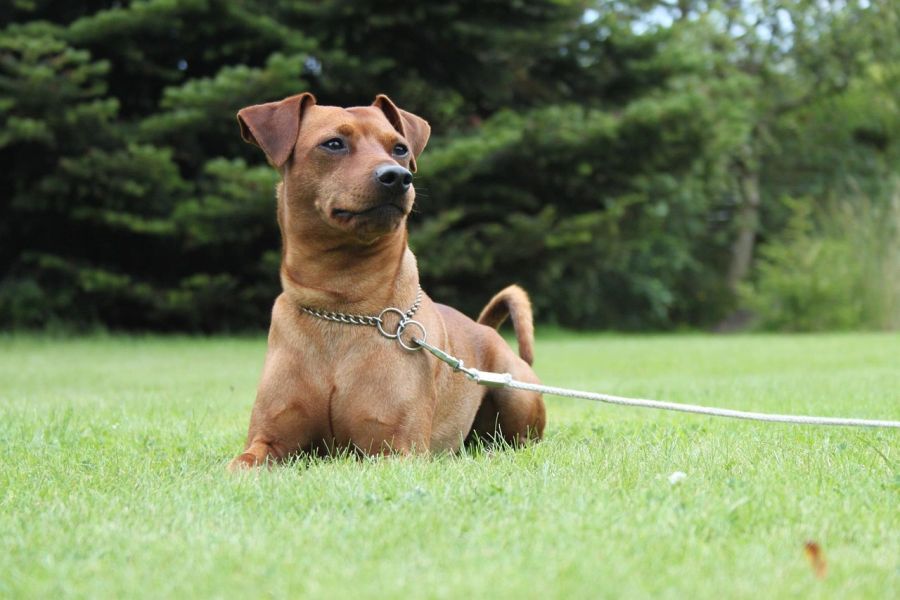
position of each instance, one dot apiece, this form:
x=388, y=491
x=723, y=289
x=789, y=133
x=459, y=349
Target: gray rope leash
x=703, y=410
x=490, y=379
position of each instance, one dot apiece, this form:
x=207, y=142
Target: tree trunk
x=747, y=226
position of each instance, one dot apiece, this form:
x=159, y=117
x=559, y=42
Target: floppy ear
x=415, y=129
x=274, y=126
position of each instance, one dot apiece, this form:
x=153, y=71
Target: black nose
x=395, y=178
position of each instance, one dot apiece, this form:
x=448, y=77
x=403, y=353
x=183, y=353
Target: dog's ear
x=274, y=126
x=415, y=129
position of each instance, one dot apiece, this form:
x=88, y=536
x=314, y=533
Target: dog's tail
x=512, y=302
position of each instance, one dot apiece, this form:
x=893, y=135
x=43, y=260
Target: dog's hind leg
x=515, y=416
x=510, y=415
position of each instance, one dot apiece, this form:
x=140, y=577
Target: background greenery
x=638, y=164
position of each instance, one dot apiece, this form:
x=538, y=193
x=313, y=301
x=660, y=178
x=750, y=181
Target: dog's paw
x=243, y=462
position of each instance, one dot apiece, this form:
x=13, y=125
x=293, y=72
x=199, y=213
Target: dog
x=342, y=206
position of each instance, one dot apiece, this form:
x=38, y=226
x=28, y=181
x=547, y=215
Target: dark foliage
x=588, y=156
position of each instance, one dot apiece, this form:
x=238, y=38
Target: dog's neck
x=336, y=274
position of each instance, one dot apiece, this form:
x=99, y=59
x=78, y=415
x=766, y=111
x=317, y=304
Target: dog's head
x=352, y=166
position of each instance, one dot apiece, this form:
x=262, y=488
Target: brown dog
x=342, y=206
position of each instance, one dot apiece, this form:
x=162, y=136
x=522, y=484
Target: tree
x=618, y=161
x=784, y=56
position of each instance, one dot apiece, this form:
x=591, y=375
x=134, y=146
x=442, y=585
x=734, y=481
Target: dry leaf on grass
x=816, y=559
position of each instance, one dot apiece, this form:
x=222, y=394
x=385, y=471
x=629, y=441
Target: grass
x=112, y=482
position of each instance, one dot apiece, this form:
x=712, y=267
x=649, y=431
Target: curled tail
x=513, y=302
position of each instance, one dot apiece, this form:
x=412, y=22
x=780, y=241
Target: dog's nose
x=394, y=177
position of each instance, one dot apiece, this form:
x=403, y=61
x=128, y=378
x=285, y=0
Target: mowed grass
x=113, y=482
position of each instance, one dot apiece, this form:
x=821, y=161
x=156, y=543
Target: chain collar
x=405, y=320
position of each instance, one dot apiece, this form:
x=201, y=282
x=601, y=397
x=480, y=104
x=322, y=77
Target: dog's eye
x=334, y=144
x=401, y=150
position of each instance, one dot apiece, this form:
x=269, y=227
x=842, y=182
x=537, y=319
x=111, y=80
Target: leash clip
x=485, y=378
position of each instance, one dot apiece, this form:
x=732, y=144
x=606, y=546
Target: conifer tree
x=587, y=150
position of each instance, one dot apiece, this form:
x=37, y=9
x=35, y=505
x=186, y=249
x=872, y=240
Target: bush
x=835, y=268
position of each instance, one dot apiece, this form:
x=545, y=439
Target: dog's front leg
x=278, y=429
x=258, y=453
x=290, y=413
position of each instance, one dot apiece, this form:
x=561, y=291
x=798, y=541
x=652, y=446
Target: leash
x=489, y=379
x=506, y=380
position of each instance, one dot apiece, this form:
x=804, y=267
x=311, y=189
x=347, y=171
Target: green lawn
x=113, y=480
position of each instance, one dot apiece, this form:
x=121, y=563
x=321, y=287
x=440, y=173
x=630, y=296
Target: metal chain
x=405, y=319
x=367, y=320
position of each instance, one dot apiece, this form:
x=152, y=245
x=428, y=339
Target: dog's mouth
x=380, y=212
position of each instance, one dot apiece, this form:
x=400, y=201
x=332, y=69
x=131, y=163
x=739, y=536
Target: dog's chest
x=373, y=391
